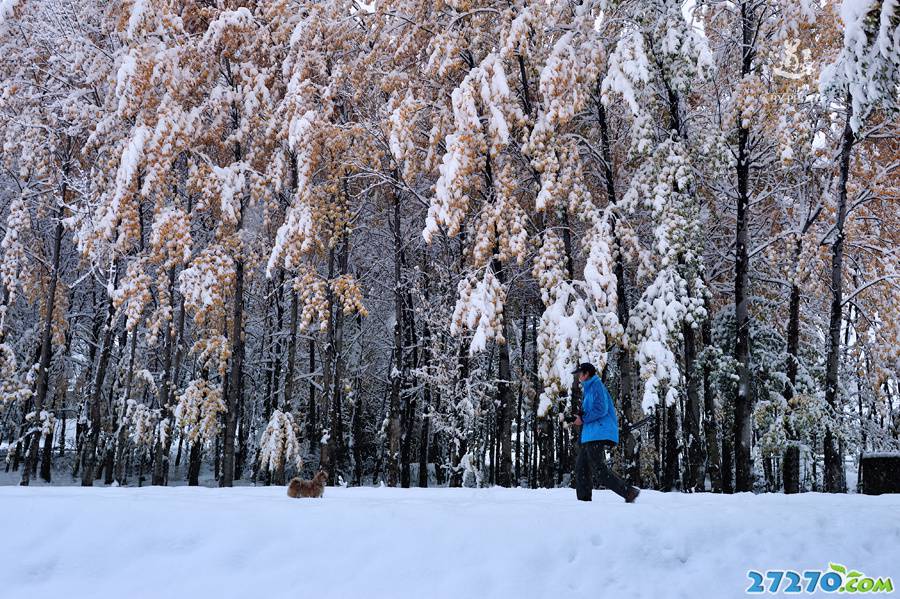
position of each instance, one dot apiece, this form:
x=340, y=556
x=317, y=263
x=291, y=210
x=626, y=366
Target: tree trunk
x=47, y=455
x=743, y=405
x=122, y=432
x=277, y=345
x=234, y=386
x=695, y=456
x=727, y=464
x=176, y=372
x=396, y=374
x=81, y=427
x=194, y=463
x=89, y=447
x=425, y=432
x=791, y=469
x=505, y=400
x=62, y=428
x=235, y=378
x=833, y=463
x=423, y=441
x=710, y=423
x=311, y=420
x=334, y=456
x=409, y=396
x=60, y=410
x=40, y=395
x=524, y=339
x=288, y=400
x=623, y=358
x=292, y=357
x=670, y=468
x=166, y=389
x=791, y=460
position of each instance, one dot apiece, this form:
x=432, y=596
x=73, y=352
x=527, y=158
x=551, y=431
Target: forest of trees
x=242, y=239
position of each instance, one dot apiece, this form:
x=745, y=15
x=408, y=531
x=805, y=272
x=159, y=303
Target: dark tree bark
x=710, y=422
x=696, y=459
x=791, y=459
x=166, y=391
x=40, y=395
x=194, y=463
x=424, y=433
x=62, y=429
x=334, y=452
x=292, y=356
x=234, y=387
x=623, y=360
x=122, y=431
x=312, y=430
x=47, y=455
x=235, y=378
x=81, y=428
x=278, y=347
x=396, y=374
x=288, y=400
x=743, y=405
x=505, y=401
x=524, y=339
x=89, y=447
x=670, y=468
x=535, y=421
x=424, y=445
x=59, y=409
x=834, y=471
x=409, y=396
x=727, y=464
x=438, y=458
x=288, y=403
x=108, y=462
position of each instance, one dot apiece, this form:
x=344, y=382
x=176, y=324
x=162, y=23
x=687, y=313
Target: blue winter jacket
x=598, y=413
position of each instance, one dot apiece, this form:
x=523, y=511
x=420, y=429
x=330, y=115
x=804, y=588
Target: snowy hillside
x=455, y=543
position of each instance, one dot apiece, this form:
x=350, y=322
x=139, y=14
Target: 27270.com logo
x=837, y=579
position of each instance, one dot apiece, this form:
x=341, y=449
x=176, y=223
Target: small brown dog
x=308, y=488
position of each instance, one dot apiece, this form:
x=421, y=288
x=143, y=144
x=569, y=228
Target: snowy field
x=73, y=543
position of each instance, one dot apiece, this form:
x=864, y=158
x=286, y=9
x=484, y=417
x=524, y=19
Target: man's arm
x=598, y=406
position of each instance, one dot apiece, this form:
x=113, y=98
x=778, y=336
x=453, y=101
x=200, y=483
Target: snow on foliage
x=471, y=142
x=170, y=237
x=126, y=181
x=297, y=236
x=205, y=281
x=662, y=184
x=627, y=69
x=138, y=14
x=133, y=293
x=7, y=11
x=198, y=410
x=12, y=260
x=279, y=444
x=142, y=421
x=479, y=308
x=462, y=161
x=580, y=321
x=868, y=66
x=13, y=386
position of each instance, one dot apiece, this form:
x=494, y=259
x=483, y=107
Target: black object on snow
x=881, y=473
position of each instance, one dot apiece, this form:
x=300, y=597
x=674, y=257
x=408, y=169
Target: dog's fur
x=308, y=488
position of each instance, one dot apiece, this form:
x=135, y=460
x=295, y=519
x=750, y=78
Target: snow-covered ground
x=69, y=542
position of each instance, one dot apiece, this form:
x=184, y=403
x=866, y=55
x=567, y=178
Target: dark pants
x=591, y=466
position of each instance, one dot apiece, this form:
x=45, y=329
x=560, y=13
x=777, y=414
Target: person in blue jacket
x=599, y=431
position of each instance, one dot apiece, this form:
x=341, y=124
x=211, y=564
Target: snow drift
x=455, y=543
